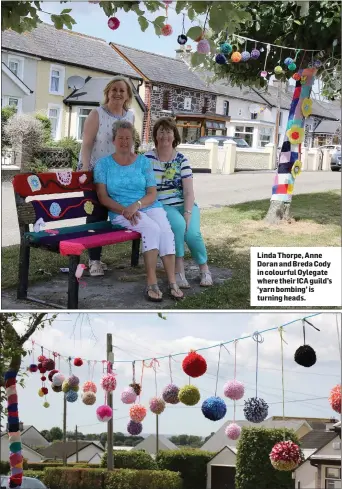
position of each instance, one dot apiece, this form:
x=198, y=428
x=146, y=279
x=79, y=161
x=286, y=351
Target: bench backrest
x=55, y=196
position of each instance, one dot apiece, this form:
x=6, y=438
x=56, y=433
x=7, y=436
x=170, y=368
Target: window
x=226, y=107
x=13, y=102
x=56, y=83
x=205, y=105
x=16, y=65
x=265, y=134
x=16, y=102
x=254, y=116
x=82, y=115
x=54, y=114
x=166, y=100
x=245, y=133
x=187, y=103
x=332, y=478
x=280, y=118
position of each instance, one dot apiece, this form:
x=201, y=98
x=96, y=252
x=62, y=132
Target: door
x=222, y=477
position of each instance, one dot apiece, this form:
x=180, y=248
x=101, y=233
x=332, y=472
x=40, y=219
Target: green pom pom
x=292, y=66
x=226, y=48
x=189, y=395
x=65, y=386
x=75, y=388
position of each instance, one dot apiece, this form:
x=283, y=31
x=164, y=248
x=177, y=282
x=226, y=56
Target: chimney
x=184, y=53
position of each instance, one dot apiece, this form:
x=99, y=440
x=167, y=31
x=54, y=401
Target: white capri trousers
x=155, y=230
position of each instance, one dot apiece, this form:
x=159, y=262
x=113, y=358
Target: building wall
x=9, y=88
x=85, y=454
x=149, y=445
x=306, y=476
x=30, y=455
x=33, y=438
x=226, y=457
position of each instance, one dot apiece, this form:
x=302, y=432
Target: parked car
x=28, y=483
x=240, y=143
x=335, y=151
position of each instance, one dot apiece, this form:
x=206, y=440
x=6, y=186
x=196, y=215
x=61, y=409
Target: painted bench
x=57, y=197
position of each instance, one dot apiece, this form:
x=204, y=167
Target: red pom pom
x=49, y=364
x=45, y=390
x=194, y=365
x=52, y=373
x=113, y=23
x=41, y=358
x=167, y=30
x=41, y=369
x=43, y=378
x=78, y=362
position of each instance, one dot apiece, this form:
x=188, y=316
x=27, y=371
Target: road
x=210, y=191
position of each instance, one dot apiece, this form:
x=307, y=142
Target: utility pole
x=157, y=434
x=76, y=435
x=64, y=430
x=110, y=456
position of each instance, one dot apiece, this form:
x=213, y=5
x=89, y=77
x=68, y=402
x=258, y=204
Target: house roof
x=219, y=439
x=162, y=441
x=56, y=450
x=67, y=47
x=163, y=69
x=27, y=447
x=18, y=81
x=317, y=439
x=327, y=127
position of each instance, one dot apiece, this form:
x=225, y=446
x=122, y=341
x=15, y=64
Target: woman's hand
x=187, y=218
x=135, y=219
x=130, y=211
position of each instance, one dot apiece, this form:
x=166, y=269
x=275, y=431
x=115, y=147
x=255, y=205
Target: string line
x=282, y=374
x=218, y=370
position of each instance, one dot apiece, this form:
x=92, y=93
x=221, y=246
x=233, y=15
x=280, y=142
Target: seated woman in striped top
x=176, y=192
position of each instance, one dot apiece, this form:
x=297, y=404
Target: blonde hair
x=109, y=85
x=122, y=125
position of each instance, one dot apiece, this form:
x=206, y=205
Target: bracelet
x=187, y=212
x=139, y=204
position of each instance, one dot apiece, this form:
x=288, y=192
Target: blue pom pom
x=71, y=396
x=245, y=56
x=220, y=59
x=255, y=410
x=214, y=408
x=226, y=48
x=288, y=61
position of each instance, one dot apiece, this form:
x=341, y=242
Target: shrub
x=4, y=467
x=72, y=145
x=190, y=463
x=36, y=474
x=46, y=123
x=61, y=478
x=6, y=113
x=41, y=466
x=131, y=460
x=253, y=466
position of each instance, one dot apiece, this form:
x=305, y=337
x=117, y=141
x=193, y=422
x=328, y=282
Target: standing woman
x=98, y=142
x=176, y=192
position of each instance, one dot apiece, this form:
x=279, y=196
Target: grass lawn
x=229, y=233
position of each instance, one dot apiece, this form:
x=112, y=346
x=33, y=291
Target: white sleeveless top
x=103, y=144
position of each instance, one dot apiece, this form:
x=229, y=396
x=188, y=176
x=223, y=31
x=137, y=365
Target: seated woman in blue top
x=126, y=185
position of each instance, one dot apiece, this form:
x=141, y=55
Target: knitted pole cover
x=14, y=438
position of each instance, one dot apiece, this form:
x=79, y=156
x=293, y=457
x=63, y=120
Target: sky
x=139, y=336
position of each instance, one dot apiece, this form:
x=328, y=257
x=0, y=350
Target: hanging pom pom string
x=157, y=404
x=264, y=72
x=282, y=374
x=214, y=408
x=258, y=339
x=218, y=369
x=136, y=387
x=170, y=392
x=305, y=355
x=182, y=38
x=33, y=366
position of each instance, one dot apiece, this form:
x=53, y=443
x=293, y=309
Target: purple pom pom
x=245, y=55
x=234, y=390
x=128, y=395
x=157, y=405
x=73, y=381
x=255, y=53
x=203, y=47
x=170, y=394
x=255, y=410
x=233, y=431
x=134, y=428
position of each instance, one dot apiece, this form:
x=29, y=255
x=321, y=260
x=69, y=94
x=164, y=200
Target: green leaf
x=137, y=10
x=201, y=7
x=179, y=6
x=143, y=23
x=66, y=11
x=297, y=22
x=194, y=32
x=197, y=59
x=56, y=19
x=191, y=14
x=159, y=21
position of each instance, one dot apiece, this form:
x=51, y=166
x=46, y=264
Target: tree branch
x=37, y=321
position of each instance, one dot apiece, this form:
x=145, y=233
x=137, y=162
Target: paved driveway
x=210, y=190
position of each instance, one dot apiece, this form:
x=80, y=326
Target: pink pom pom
x=157, y=405
x=234, y=390
x=335, y=398
x=104, y=413
x=137, y=413
x=108, y=382
x=128, y=395
x=285, y=455
x=89, y=387
x=203, y=47
x=166, y=30
x=233, y=431
x=113, y=23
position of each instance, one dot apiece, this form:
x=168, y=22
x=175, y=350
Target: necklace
x=167, y=160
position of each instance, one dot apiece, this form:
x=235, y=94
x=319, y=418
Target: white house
x=31, y=437
x=87, y=451
x=29, y=454
x=150, y=444
x=221, y=469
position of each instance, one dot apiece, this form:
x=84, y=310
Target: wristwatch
x=139, y=204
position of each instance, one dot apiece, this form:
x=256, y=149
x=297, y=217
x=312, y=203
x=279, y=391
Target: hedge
x=61, y=478
x=37, y=474
x=4, y=467
x=42, y=466
x=253, y=466
x=190, y=463
x=135, y=459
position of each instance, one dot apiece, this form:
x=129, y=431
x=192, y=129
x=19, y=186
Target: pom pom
x=305, y=356
x=226, y=48
x=45, y=390
x=170, y=394
x=113, y=23
x=255, y=410
x=71, y=396
x=40, y=393
x=285, y=455
x=278, y=70
x=89, y=386
x=189, y=395
x=296, y=76
x=78, y=362
x=56, y=388
x=65, y=386
x=136, y=388
x=52, y=373
x=46, y=404
x=41, y=369
x=234, y=390
x=157, y=405
x=236, y=57
x=292, y=66
x=48, y=364
x=137, y=413
x=182, y=39
x=200, y=37
x=33, y=367
x=194, y=365
x=41, y=358
x=75, y=388
x=335, y=398
x=128, y=395
x=134, y=428
x=104, y=413
x=43, y=378
x=245, y=56
x=233, y=431
x=58, y=379
x=88, y=398
x=317, y=63
x=214, y=408
x=263, y=74
x=73, y=380
x=203, y=47
x=288, y=61
x=108, y=382
x=255, y=53
x=220, y=59
x=166, y=30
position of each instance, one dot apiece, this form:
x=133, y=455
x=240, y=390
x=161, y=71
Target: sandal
x=182, y=281
x=206, y=279
x=175, y=288
x=95, y=268
x=154, y=288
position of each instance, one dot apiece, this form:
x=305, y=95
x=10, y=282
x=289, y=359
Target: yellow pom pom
x=40, y=393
